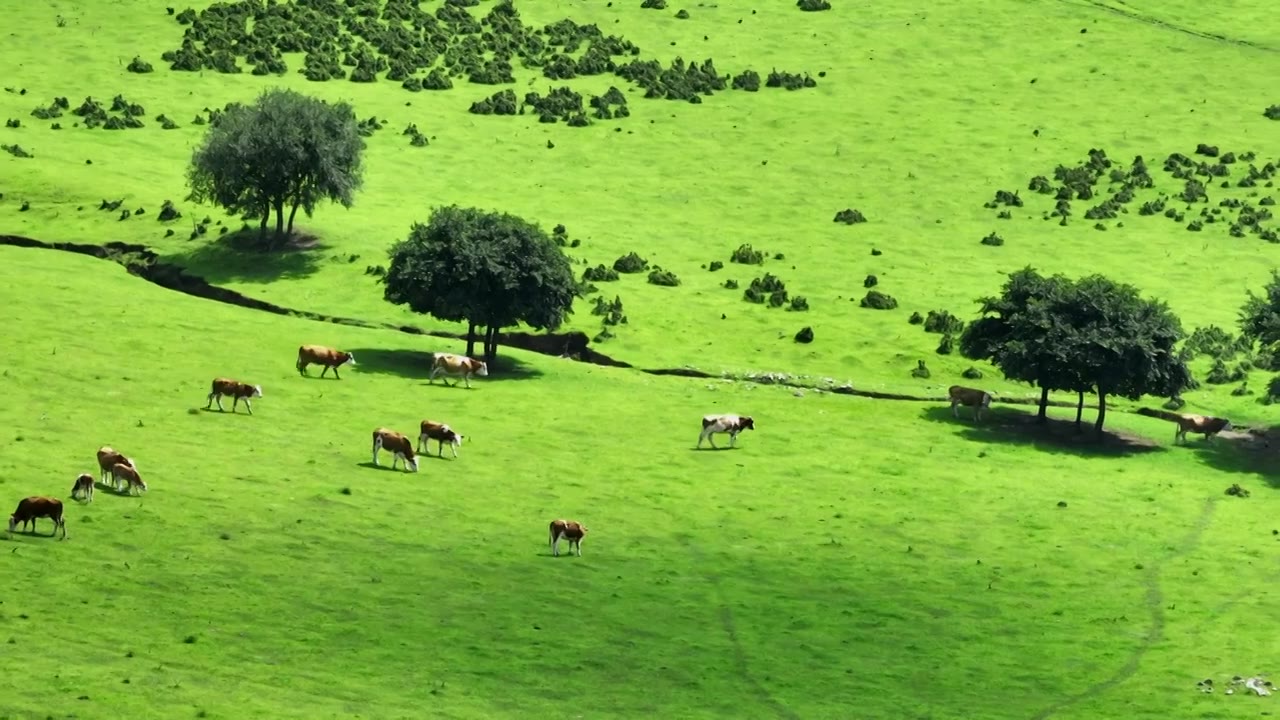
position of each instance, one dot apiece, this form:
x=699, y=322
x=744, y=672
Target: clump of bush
x=942, y=321
x=53, y=110
x=138, y=65
x=730, y=284
x=1215, y=342
x=715, y=265
x=813, y=5
x=654, y=5
x=560, y=103
x=611, y=105
x=1219, y=374
x=877, y=300
x=630, y=263
x=748, y=80
x=682, y=14
x=16, y=151
x=993, y=240
x=416, y=138
x=971, y=373
x=610, y=311
x=1273, y=388
x=920, y=371
x=168, y=212
x=769, y=288
x=946, y=345
x=799, y=303
x=599, y=273
x=870, y=281
x=502, y=102
x=915, y=319
x=665, y=278
x=789, y=80
x=805, y=335
x=849, y=216
x=746, y=255
x=1272, y=112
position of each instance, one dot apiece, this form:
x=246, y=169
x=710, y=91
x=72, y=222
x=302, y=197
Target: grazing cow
x=441, y=433
x=979, y=399
x=1202, y=424
x=35, y=507
x=732, y=424
x=321, y=355
x=399, y=445
x=457, y=365
x=570, y=530
x=129, y=474
x=234, y=389
x=83, y=486
x=108, y=457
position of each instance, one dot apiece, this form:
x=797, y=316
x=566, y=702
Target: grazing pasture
x=851, y=557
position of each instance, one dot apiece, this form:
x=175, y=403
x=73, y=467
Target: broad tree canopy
x=1260, y=317
x=285, y=150
x=491, y=270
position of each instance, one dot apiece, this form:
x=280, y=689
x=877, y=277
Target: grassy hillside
x=812, y=570
x=917, y=118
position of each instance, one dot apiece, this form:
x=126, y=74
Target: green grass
x=812, y=570
x=853, y=558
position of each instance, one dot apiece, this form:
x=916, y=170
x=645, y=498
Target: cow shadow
x=240, y=257
x=1010, y=426
x=386, y=467
x=416, y=365
x=35, y=534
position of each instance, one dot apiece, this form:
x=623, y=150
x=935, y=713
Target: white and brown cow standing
x=457, y=366
x=38, y=506
x=234, y=389
x=441, y=433
x=129, y=475
x=400, y=447
x=959, y=395
x=727, y=423
x=108, y=458
x=569, y=530
x=320, y=355
x=84, y=485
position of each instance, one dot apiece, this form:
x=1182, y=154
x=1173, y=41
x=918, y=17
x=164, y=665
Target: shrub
x=1174, y=403
x=769, y=288
x=1272, y=112
x=921, y=370
x=654, y=5
x=16, y=151
x=13, y=123
x=138, y=65
x=942, y=321
x=972, y=373
x=502, y=102
x=1215, y=342
x=993, y=240
x=870, y=281
x=611, y=311
x=630, y=263
x=849, y=216
x=682, y=15
x=1207, y=150
x=1273, y=387
x=665, y=278
x=877, y=300
x=168, y=212
x=715, y=265
x=748, y=80
x=813, y=5
x=805, y=335
x=1220, y=375
x=789, y=80
x=730, y=284
x=799, y=303
x=915, y=319
x=746, y=255
x=1242, y=389
x=946, y=345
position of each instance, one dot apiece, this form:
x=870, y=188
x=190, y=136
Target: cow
x=979, y=399
x=1201, y=424
x=37, y=506
x=84, y=485
x=399, y=445
x=441, y=433
x=732, y=424
x=129, y=474
x=570, y=530
x=235, y=389
x=457, y=365
x=326, y=356
x=108, y=457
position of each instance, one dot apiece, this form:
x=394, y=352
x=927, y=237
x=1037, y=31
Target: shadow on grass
x=1014, y=427
x=239, y=257
x=1257, y=452
x=214, y=410
x=386, y=468
x=57, y=534
x=416, y=365
x=718, y=448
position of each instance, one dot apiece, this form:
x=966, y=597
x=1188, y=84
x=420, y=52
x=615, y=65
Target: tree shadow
x=239, y=257
x=1015, y=427
x=1255, y=451
x=416, y=365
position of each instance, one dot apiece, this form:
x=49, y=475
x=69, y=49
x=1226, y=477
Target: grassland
x=855, y=558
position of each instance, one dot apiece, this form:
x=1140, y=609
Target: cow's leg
x=733, y=438
x=376, y=446
x=703, y=436
x=210, y=403
x=434, y=372
x=247, y=406
x=235, y=402
x=335, y=372
x=420, y=437
x=324, y=371
x=454, y=448
x=466, y=377
x=555, y=544
x=577, y=547
x=218, y=399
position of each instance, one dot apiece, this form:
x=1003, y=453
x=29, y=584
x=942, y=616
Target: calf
x=570, y=530
x=84, y=485
x=432, y=430
x=129, y=474
x=979, y=399
x=399, y=445
x=108, y=458
x=457, y=365
x=38, y=506
x=235, y=389
x=732, y=424
x=321, y=355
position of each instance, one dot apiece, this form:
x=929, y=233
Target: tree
x=1260, y=318
x=286, y=149
x=491, y=270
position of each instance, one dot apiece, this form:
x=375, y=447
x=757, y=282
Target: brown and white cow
x=569, y=530
x=234, y=389
x=441, y=433
x=37, y=506
x=400, y=447
x=84, y=485
x=1200, y=424
x=129, y=474
x=457, y=366
x=727, y=423
x=108, y=458
x=979, y=399
x=320, y=355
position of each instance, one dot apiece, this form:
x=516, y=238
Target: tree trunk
x=490, y=344
x=1079, y=410
x=262, y=230
x=280, y=236
x=1043, y=416
x=471, y=339
x=1102, y=413
x=292, y=213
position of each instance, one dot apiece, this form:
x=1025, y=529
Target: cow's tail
x=706, y=422
x=1162, y=414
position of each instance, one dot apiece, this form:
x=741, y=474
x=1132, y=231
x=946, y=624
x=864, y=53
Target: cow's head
x=257, y=391
x=411, y=462
x=351, y=359
x=481, y=368
x=1227, y=426
x=13, y=522
x=747, y=423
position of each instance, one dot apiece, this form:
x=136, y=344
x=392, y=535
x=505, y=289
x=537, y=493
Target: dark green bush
x=1174, y=403
x=915, y=319
x=849, y=216
x=654, y=4
x=942, y=321
x=799, y=303
x=805, y=335
x=665, y=278
x=946, y=345
x=972, y=373
x=789, y=80
x=768, y=288
x=813, y=5
x=993, y=240
x=1273, y=388
x=715, y=265
x=870, y=281
x=600, y=273
x=1215, y=342
x=920, y=371
x=630, y=263
x=612, y=311
x=748, y=80
x=746, y=255
x=730, y=284
x=1272, y=112
x=16, y=151
x=168, y=212
x=877, y=300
